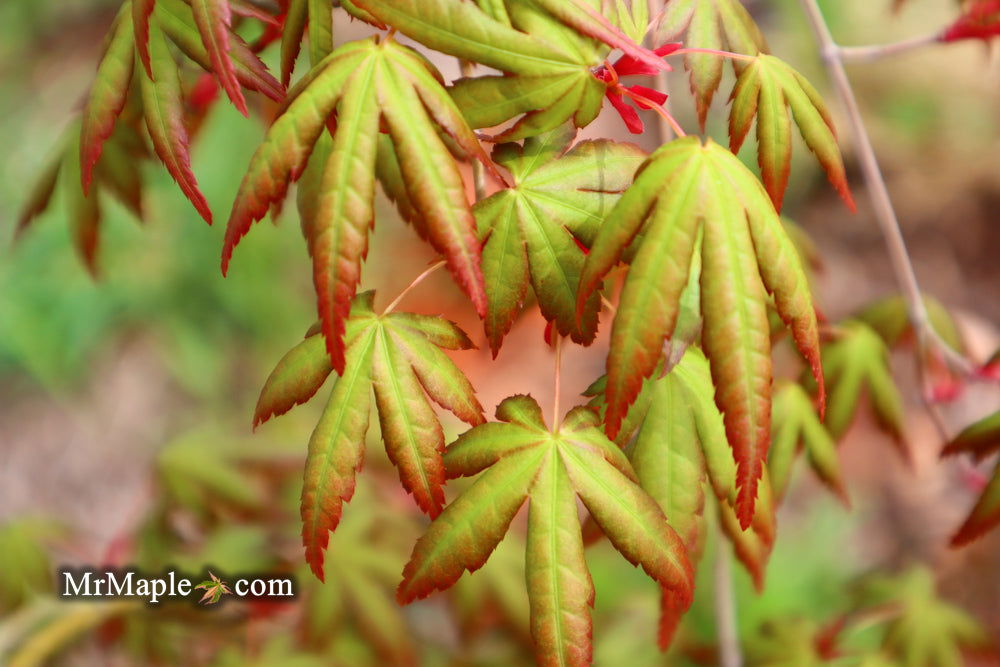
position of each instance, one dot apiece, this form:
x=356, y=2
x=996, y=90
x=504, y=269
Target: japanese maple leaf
x=400, y=357
x=679, y=447
x=712, y=25
x=148, y=31
x=981, y=439
x=797, y=427
x=532, y=230
x=686, y=190
x=521, y=460
x=215, y=588
x=359, y=86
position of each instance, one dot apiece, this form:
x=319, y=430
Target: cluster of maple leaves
x=687, y=404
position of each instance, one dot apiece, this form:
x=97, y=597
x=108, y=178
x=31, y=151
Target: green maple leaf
x=214, y=588
x=317, y=16
x=531, y=229
x=797, y=427
x=524, y=460
x=547, y=65
x=680, y=443
x=499, y=586
x=686, y=189
x=145, y=30
x=359, y=84
x=889, y=318
x=981, y=439
x=794, y=642
x=926, y=630
x=710, y=24
x=115, y=173
x=399, y=355
x=857, y=359
x=631, y=16
x=770, y=90
x=366, y=551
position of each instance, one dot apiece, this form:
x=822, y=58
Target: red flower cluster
x=641, y=96
x=980, y=21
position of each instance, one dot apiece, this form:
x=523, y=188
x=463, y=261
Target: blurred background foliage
x=125, y=403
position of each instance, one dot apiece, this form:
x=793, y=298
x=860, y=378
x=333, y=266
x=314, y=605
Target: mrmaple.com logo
x=116, y=583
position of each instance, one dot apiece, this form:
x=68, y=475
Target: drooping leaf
x=142, y=11
x=359, y=84
x=531, y=229
x=523, y=460
x=715, y=25
x=397, y=355
x=164, y=112
x=369, y=545
x=855, y=360
x=685, y=186
x=926, y=630
x=797, y=427
x=984, y=516
x=317, y=16
x=774, y=93
x=670, y=465
x=214, y=21
x=107, y=95
x=889, y=318
x=116, y=173
x=144, y=30
x=980, y=439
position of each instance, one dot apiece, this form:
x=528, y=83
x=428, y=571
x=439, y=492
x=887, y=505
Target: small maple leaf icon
x=214, y=589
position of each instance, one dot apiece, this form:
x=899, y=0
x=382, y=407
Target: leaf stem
x=885, y=214
x=416, y=281
x=468, y=69
x=664, y=114
x=716, y=52
x=558, y=383
x=610, y=306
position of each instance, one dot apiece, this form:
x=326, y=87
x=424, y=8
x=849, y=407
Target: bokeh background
x=125, y=402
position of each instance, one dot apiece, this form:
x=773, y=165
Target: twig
x=927, y=338
x=879, y=51
x=730, y=654
x=416, y=281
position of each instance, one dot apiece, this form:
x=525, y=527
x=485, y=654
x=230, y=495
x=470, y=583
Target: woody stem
x=885, y=214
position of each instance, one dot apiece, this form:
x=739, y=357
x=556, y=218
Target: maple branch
x=725, y=605
x=926, y=336
x=879, y=51
x=558, y=382
x=416, y=281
